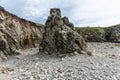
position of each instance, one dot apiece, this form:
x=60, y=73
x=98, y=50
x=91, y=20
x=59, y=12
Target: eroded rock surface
x=16, y=33
x=60, y=37
x=115, y=34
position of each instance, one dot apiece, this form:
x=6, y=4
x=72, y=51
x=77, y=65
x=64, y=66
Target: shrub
x=94, y=34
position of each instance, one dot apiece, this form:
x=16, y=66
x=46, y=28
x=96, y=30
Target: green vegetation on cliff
x=94, y=33
x=39, y=25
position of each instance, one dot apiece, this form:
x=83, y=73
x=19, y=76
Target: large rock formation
x=60, y=37
x=16, y=33
x=115, y=34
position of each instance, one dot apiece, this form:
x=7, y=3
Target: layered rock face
x=60, y=37
x=16, y=33
x=115, y=34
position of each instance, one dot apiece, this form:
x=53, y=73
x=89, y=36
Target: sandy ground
x=103, y=65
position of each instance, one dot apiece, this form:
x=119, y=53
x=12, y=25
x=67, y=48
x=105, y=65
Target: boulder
x=60, y=37
x=115, y=34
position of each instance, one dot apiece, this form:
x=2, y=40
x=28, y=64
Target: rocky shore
x=56, y=51
x=103, y=65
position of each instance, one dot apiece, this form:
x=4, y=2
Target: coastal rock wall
x=100, y=34
x=17, y=33
x=115, y=34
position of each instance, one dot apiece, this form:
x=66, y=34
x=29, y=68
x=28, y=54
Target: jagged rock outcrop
x=60, y=37
x=16, y=33
x=115, y=34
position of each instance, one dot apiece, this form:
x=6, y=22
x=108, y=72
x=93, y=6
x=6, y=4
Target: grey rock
x=55, y=12
x=59, y=37
x=115, y=34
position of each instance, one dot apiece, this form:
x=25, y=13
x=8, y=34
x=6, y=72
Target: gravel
x=103, y=65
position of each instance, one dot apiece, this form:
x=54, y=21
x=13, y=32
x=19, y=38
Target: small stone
x=17, y=57
x=15, y=79
x=91, y=63
x=113, y=55
x=5, y=70
x=60, y=70
x=11, y=73
x=105, y=48
x=37, y=63
x=61, y=59
x=75, y=53
x=111, y=47
x=83, y=52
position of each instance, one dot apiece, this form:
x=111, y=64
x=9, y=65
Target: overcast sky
x=80, y=12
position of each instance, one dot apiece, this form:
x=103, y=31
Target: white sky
x=80, y=12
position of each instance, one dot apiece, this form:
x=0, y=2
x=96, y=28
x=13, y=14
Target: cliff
x=16, y=33
x=100, y=34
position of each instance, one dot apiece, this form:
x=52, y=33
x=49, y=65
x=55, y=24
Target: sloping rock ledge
x=16, y=33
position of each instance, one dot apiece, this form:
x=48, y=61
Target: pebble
x=104, y=65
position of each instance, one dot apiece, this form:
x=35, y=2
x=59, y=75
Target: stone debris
x=103, y=65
